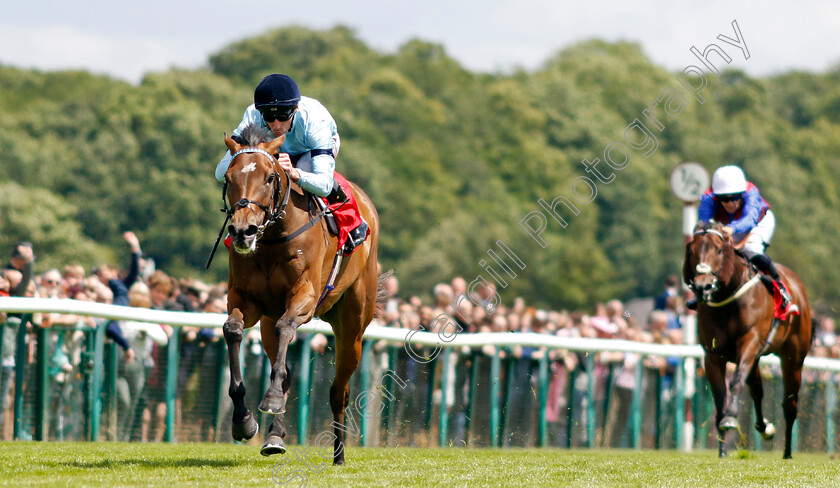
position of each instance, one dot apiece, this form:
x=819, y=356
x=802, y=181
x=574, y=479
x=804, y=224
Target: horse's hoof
x=769, y=430
x=273, y=405
x=273, y=445
x=245, y=430
x=728, y=423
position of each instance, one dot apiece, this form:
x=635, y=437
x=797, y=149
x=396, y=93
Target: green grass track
x=24, y=464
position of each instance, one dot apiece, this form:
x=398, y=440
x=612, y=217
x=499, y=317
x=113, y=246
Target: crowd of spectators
x=607, y=320
x=142, y=346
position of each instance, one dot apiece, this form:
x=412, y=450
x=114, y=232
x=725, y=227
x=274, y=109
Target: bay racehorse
x=735, y=323
x=280, y=262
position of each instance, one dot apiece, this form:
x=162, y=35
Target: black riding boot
x=766, y=266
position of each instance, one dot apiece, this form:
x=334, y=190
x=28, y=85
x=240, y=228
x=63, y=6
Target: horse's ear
x=231, y=144
x=273, y=147
x=688, y=271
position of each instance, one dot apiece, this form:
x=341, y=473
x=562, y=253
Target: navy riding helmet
x=276, y=91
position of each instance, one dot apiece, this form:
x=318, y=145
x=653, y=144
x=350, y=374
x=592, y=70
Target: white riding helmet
x=728, y=180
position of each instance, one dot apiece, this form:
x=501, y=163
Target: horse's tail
x=814, y=327
x=381, y=294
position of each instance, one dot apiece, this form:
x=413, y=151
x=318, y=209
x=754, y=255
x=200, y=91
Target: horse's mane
x=254, y=135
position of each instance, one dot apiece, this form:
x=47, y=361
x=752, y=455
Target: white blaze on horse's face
x=250, y=167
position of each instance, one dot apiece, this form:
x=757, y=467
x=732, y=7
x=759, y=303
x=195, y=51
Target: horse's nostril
x=231, y=230
x=707, y=287
x=251, y=230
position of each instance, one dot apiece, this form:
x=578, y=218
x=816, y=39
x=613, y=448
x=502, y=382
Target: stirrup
x=787, y=306
x=355, y=238
x=786, y=298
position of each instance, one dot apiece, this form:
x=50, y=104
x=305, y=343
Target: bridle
x=273, y=213
x=703, y=268
x=277, y=211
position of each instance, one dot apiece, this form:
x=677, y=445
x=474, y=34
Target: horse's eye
x=270, y=179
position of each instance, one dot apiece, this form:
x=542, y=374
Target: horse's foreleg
x=765, y=428
x=747, y=361
x=244, y=425
x=274, y=401
x=792, y=377
x=716, y=375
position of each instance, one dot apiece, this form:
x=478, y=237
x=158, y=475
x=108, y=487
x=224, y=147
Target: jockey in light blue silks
x=312, y=142
x=736, y=203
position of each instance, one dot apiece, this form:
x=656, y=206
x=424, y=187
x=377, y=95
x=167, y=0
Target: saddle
x=342, y=216
x=772, y=288
x=322, y=204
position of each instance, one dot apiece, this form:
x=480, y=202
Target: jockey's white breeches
x=759, y=238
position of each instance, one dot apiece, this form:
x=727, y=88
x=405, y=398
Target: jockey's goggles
x=732, y=197
x=270, y=114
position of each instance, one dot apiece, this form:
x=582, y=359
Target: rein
x=273, y=214
x=300, y=230
x=738, y=293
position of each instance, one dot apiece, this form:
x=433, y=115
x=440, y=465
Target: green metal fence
x=463, y=397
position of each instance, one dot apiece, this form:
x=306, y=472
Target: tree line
x=453, y=159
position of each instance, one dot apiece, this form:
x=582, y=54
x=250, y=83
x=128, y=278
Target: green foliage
x=454, y=160
x=40, y=216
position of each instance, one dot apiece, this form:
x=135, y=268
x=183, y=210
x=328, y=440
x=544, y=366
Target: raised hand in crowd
x=132, y=241
x=24, y=252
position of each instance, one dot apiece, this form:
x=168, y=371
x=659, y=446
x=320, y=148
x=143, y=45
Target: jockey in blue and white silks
x=752, y=222
x=312, y=140
x=737, y=203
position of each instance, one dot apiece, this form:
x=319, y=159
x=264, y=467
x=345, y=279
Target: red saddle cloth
x=347, y=215
x=778, y=312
